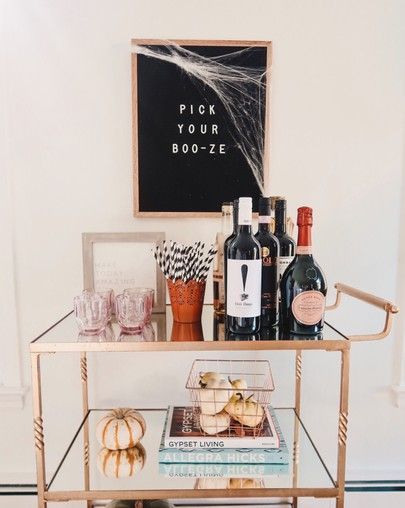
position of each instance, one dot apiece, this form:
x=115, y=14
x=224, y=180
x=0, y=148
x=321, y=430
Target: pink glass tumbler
x=148, y=294
x=132, y=311
x=108, y=294
x=91, y=312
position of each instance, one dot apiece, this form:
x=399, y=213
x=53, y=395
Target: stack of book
x=186, y=452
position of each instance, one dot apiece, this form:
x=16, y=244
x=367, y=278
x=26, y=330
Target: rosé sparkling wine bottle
x=303, y=286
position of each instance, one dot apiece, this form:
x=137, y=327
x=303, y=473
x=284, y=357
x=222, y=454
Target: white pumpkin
x=238, y=385
x=229, y=483
x=245, y=483
x=211, y=483
x=214, y=394
x=121, y=463
x=246, y=411
x=122, y=428
x=213, y=424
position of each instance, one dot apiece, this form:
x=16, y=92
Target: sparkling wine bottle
x=303, y=285
x=243, y=288
x=287, y=244
x=269, y=252
x=218, y=271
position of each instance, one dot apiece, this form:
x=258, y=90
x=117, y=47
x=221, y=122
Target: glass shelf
x=162, y=334
x=308, y=476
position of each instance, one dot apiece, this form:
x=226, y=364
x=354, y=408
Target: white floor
x=353, y=500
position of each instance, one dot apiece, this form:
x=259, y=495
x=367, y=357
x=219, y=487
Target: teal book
x=222, y=470
x=235, y=455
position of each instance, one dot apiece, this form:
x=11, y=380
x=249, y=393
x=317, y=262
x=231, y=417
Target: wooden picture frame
x=135, y=131
x=89, y=240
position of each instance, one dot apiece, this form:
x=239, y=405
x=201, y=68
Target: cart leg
x=296, y=450
x=342, y=433
x=298, y=373
x=38, y=428
x=85, y=405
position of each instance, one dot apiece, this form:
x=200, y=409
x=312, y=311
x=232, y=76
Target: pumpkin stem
x=120, y=413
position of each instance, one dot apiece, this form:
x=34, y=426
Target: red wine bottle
x=243, y=276
x=269, y=251
x=303, y=285
x=287, y=244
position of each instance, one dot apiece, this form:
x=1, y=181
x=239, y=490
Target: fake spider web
x=241, y=90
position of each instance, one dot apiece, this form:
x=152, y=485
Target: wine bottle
x=269, y=252
x=235, y=216
x=287, y=244
x=219, y=326
x=303, y=286
x=244, y=276
x=218, y=269
x=229, y=240
x=273, y=200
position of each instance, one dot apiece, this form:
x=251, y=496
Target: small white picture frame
x=123, y=260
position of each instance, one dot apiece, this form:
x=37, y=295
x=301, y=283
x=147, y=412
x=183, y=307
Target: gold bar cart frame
x=87, y=495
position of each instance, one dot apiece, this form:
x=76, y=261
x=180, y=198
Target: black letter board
x=185, y=145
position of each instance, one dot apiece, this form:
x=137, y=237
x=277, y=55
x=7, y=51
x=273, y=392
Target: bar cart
x=76, y=477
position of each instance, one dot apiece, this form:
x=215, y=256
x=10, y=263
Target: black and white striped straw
x=184, y=262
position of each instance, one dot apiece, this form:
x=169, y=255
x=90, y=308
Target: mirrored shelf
x=303, y=475
x=162, y=334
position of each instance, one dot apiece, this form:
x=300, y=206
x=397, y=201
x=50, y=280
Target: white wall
x=337, y=144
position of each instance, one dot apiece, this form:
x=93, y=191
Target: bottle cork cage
x=229, y=397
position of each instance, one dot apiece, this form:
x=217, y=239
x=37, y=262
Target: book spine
x=221, y=470
x=231, y=442
x=226, y=456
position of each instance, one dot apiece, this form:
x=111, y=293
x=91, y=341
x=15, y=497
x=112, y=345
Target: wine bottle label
x=244, y=280
x=264, y=219
x=304, y=249
x=283, y=262
x=269, y=280
x=216, y=276
x=308, y=307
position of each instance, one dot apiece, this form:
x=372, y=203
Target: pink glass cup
x=132, y=311
x=108, y=294
x=148, y=293
x=91, y=312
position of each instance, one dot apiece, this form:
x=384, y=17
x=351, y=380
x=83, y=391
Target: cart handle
x=389, y=308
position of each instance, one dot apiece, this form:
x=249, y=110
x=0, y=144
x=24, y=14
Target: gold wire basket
x=230, y=397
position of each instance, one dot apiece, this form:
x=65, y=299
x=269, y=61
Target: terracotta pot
x=187, y=300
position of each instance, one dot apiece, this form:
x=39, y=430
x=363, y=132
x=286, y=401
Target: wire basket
x=230, y=397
